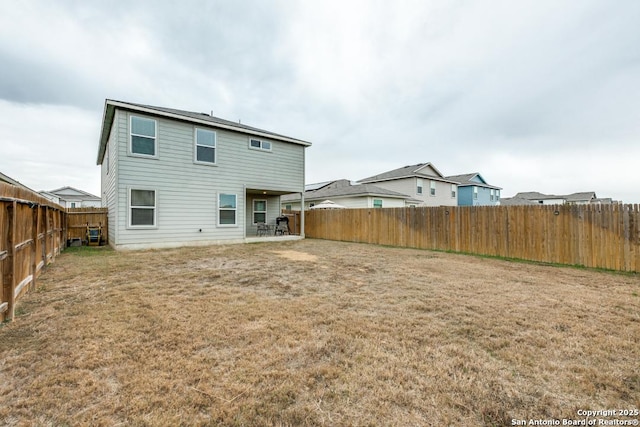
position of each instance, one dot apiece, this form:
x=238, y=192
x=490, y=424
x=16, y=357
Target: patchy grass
x=316, y=333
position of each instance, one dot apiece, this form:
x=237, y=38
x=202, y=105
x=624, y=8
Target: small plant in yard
x=315, y=332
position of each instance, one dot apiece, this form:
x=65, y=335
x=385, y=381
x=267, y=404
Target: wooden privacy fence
x=601, y=236
x=78, y=218
x=31, y=235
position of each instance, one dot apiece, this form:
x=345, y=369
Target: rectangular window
x=259, y=144
x=475, y=193
x=377, y=203
x=287, y=207
x=497, y=195
x=227, y=209
x=205, y=146
x=142, y=208
x=143, y=136
x=259, y=211
x=433, y=188
x=453, y=191
x=492, y=194
x=420, y=185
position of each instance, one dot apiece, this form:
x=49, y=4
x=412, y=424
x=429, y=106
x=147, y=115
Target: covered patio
x=264, y=219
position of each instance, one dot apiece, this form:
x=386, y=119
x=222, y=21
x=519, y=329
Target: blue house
x=473, y=190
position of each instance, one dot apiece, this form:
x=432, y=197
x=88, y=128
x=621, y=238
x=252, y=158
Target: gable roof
x=421, y=170
x=586, y=196
x=532, y=197
x=344, y=188
x=189, y=116
x=466, y=180
x=70, y=193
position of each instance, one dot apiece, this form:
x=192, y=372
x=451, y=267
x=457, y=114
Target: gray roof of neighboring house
x=580, y=197
x=408, y=172
x=534, y=195
x=190, y=116
x=81, y=195
x=344, y=188
x=573, y=197
x=465, y=180
x=515, y=201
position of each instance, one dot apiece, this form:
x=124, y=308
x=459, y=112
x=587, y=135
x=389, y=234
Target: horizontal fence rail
x=32, y=234
x=599, y=236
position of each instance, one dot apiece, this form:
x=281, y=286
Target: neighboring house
x=172, y=177
x=536, y=198
x=473, y=190
x=422, y=182
x=349, y=195
x=70, y=197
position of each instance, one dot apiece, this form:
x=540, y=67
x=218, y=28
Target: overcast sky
x=535, y=95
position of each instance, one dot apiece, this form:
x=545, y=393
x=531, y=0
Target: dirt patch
x=296, y=255
x=363, y=335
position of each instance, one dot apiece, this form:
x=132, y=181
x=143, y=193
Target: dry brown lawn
x=316, y=333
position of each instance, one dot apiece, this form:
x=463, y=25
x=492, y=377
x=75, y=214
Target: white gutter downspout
x=302, y=215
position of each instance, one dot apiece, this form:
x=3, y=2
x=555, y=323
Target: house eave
x=105, y=131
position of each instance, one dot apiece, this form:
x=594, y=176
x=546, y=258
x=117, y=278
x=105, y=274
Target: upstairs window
x=205, y=146
x=453, y=191
x=433, y=188
x=259, y=144
x=420, y=185
x=377, y=203
x=492, y=194
x=475, y=193
x=143, y=136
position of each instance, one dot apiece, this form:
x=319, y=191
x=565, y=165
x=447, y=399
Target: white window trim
x=254, y=211
x=227, y=209
x=475, y=192
x=155, y=209
x=195, y=147
x=262, y=141
x=432, y=188
x=155, y=138
x=454, y=191
x=419, y=186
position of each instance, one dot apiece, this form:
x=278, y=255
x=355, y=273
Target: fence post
x=8, y=273
x=34, y=246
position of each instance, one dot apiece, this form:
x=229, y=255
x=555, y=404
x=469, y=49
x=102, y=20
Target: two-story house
x=172, y=177
x=473, y=190
x=422, y=182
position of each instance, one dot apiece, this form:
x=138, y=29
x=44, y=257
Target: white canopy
x=328, y=204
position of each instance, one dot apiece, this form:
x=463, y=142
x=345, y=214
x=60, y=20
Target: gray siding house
x=473, y=190
x=422, y=182
x=174, y=178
